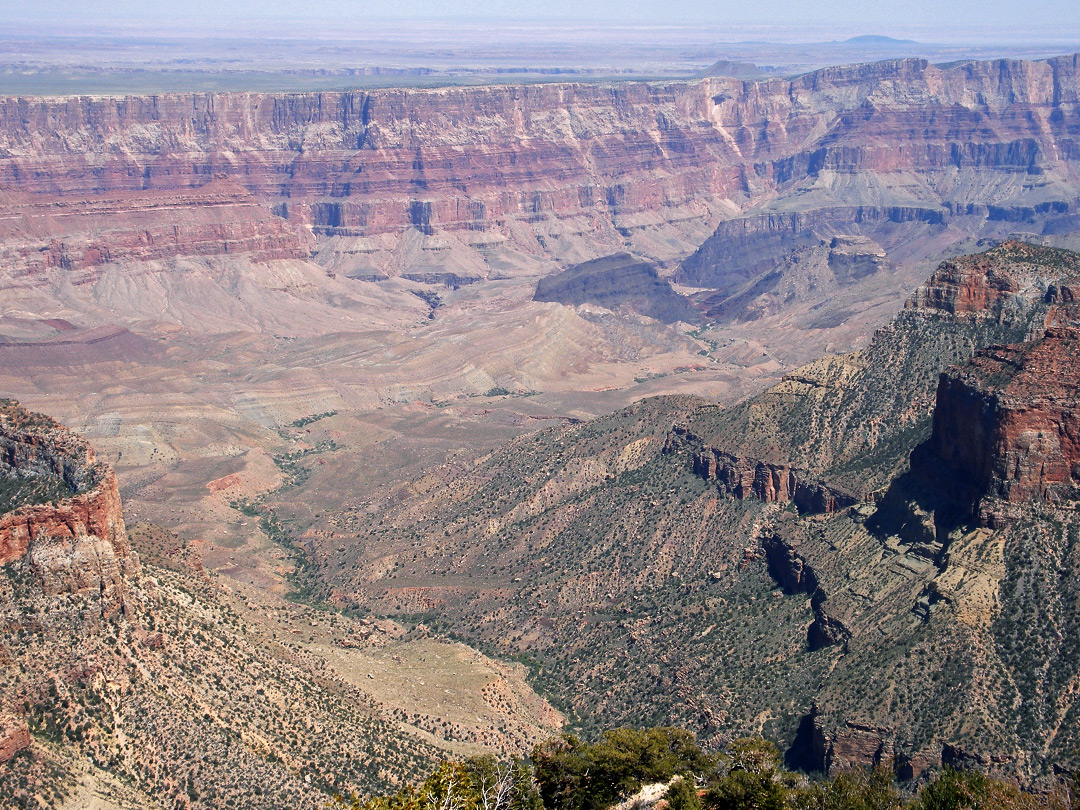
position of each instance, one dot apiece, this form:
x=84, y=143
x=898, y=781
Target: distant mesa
x=616, y=281
x=734, y=70
x=877, y=40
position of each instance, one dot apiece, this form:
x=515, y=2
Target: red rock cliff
x=483, y=158
x=744, y=478
x=75, y=545
x=1007, y=425
x=984, y=283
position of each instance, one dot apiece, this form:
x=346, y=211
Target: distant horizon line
x=741, y=34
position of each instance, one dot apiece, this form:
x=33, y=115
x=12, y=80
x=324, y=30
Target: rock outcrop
x=799, y=440
x=787, y=567
x=14, y=736
x=988, y=284
x=964, y=287
x=76, y=544
x=790, y=271
x=742, y=248
x=851, y=745
x=854, y=257
x=1007, y=426
x=772, y=483
x=795, y=575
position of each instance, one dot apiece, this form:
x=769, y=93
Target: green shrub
x=682, y=795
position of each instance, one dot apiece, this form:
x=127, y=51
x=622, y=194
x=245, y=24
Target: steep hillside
x=812, y=588
x=156, y=684
x=854, y=418
x=955, y=597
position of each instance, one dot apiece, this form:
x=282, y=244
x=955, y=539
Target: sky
x=892, y=17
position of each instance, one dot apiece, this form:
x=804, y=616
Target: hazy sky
x=877, y=16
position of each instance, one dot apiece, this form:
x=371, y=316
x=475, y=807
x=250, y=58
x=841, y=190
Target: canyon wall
x=39, y=233
x=365, y=163
x=621, y=156
x=1007, y=427
x=75, y=544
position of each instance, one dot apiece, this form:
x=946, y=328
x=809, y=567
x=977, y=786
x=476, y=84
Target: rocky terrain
x=617, y=281
x=857, y=416
x=159, y=685
x=1022, y=447
x=74, y=546
x=244, y=300
x=382, y=249
x=775, y=566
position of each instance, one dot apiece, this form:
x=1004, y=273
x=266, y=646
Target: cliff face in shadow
x=616, y=281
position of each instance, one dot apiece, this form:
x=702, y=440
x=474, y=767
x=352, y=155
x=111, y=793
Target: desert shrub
x=481, y=783
x=856, y=789
x=974, y=790
x=576, y=775
x=683, y=795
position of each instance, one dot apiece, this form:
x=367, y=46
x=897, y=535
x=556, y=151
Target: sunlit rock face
x=67, y=537
x=488, y=159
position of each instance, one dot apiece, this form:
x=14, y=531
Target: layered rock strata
x=772, y=483
x=77, y=544
x=622, y=156
x=41, y=233
x=1007, y=425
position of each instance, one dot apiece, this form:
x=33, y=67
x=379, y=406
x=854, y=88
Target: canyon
x=595, y=377
x=554, y=170
x=380, y=251
x=680, y=559
x=139, y=678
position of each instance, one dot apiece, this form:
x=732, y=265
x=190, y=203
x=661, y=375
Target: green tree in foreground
x=683, y=795
x=857, y=789
x=753, y=779
x=567, y=773
x=576, y=775
x=479, y=783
